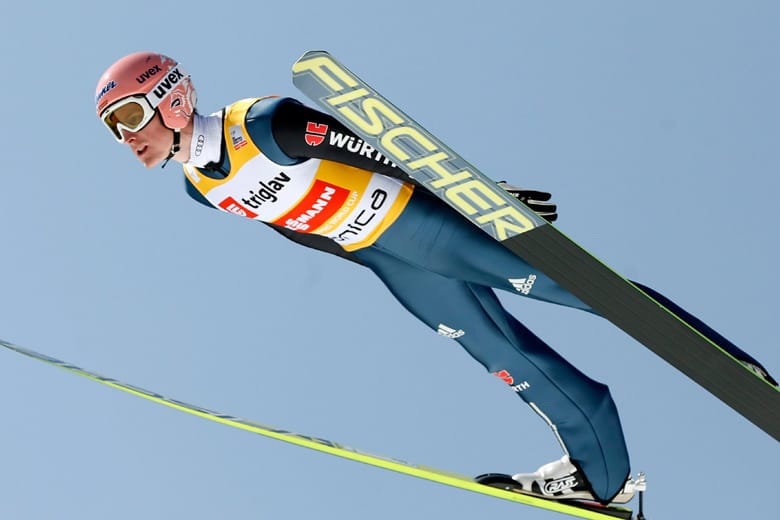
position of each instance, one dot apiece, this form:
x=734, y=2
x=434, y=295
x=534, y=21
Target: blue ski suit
x=285, y=164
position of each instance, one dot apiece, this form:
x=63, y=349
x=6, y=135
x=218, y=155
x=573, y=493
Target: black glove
x=536, y=200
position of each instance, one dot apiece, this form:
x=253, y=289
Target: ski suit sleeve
x=292, y=121
x=301, y=132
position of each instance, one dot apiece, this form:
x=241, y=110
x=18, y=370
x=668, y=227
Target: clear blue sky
x=655, y=126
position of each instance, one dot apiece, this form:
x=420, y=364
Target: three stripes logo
x=449, y=332
x=523, y=285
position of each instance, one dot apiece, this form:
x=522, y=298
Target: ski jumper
x=311, y=179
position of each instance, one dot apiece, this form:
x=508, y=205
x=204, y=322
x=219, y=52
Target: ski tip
x=313, y=52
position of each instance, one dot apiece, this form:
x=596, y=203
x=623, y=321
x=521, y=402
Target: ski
x=433, y=164
x=332, y=448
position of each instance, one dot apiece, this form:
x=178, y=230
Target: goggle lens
x=131, y=114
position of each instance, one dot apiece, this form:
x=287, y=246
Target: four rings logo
x=199, y=145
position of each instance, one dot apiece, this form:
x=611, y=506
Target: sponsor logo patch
x=237, y=137
x=523, y=285
x=168, y=83
x=449, y=332
x=105, y=90
x=199, y=144
x=315, y=133
x=229, y=204
x=505, y=376
x=559, y=485
x=357, y=146
x=266, y=191
x=148, y=74
x=509, y=379
x=322, y=202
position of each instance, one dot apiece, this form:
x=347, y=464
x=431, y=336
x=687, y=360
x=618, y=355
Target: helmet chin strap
x=175, y=147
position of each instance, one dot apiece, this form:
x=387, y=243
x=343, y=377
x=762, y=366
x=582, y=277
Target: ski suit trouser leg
x=579, y=410
x=442, y=269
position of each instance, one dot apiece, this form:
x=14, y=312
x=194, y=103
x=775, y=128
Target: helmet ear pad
x=179, y=106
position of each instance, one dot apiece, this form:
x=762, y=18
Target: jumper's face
x=151, y=144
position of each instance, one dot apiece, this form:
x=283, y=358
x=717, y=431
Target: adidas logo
x=523, y=285
x=448, y=332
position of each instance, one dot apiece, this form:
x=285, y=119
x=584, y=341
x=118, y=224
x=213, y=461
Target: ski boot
x=561, y=480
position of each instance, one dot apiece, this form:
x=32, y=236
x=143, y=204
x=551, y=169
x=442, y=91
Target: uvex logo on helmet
x=148, y=74
x=164, y=87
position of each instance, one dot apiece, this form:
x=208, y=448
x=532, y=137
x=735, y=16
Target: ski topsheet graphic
x=425, y=158
x=436, y=166
x=593, y=512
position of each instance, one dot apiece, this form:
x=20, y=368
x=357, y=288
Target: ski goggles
x=132, y=113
